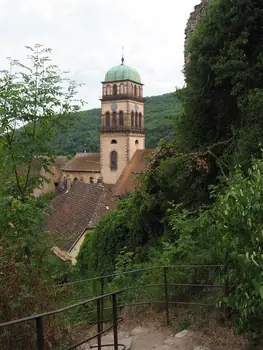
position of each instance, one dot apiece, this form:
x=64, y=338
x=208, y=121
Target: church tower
x=122, y=120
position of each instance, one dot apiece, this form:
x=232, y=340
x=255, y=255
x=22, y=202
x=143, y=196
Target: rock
x=181, y=334
x=169, y=341
x=202, y=348
x=195, y=17
x=139, y=330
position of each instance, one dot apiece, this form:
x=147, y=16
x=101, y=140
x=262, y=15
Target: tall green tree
x=34, y=98
x=223, y=94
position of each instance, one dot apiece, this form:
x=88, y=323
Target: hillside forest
x=81, y=130
x=200, y=203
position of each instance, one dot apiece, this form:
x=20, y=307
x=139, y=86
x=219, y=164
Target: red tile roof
x=85, y=162
x=77, y=210
x=127, y=180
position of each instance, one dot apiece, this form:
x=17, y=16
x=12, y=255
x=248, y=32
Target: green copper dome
x=122, y=72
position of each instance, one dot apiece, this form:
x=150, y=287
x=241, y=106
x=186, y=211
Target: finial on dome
x=122, y=57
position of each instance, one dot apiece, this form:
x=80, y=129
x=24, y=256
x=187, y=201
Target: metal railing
x=100, y=309
x=39, y=322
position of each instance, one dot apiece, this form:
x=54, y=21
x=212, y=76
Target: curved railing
x=100, y=309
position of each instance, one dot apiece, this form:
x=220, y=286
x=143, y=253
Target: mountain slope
x=83, y=127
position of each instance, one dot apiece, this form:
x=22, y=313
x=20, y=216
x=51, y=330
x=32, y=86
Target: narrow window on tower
x=113, y=160
x=108, y=90
x=114, y=89
x=114, y=118
x=121, y=118
x=107, y=118
x=135, y=90
x=122, y=89
x=140, y=120
x=132, y=118
x=91, y=180
x=136, y=119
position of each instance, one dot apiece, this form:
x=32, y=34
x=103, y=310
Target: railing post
x=115, y=321
x=166, y=295
x=99, y=324
x=40, y=334
x=102, y=301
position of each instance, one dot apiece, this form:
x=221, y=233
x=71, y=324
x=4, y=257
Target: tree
x=34, y=99
x=222, y=98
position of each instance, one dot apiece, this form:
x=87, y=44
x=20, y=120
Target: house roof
x=77, y=210
x=61, y=160
x=84, y=162
x=56, y=172
x=127, y=180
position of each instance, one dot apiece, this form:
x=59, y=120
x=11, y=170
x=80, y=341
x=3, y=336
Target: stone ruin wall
x=195, y=17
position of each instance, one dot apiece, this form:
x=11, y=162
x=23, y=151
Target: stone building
x=122, y=130
x=94, y=182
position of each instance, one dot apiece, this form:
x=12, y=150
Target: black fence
x=100, y=282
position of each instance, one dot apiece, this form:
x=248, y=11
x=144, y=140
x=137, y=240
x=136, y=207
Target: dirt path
x=145, y=338
x=147, y=331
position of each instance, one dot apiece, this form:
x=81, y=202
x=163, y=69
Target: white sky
x=86, y=37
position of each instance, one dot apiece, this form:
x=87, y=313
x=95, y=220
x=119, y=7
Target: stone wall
x=195, y=17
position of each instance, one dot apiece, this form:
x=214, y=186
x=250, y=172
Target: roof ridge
x=67, y=164
x=85, y=153
x=113, y=195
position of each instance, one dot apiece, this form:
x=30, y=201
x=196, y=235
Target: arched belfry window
x=121, y=118
x=135, y=90
x=121, y=89
x=136, y=119
x=113, y=160
x=91, y=180
x=114, y=118
x=132, y=118
x=140, y=120
x=114, y=89
x=107, y=118
x=113, y=141
x=108, y=90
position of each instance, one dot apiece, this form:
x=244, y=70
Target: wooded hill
x=82, y=131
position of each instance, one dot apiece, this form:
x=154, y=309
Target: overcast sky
x=86, y=37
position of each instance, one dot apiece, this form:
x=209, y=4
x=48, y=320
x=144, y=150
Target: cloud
x=86, y=38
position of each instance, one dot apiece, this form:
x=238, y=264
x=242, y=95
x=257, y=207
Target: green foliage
x=33, y=99
x=222, y=99
x=229, y=232
x=83, y=127
x=201, y=201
